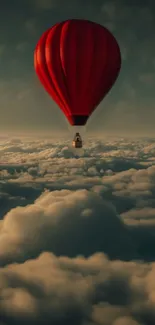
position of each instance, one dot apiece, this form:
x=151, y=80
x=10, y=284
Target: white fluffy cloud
x=77, y=232
x=85, y=291
x=66, y=223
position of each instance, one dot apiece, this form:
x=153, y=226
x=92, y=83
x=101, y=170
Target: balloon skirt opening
x=77, y=119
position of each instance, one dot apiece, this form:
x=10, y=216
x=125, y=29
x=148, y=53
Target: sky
x=128, y=108
x=77, y=227
x=77, y=231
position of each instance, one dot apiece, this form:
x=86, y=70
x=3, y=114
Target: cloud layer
x=77, y=232
x=81, y=291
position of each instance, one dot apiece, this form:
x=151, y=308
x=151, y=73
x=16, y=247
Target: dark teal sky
x=129, y=107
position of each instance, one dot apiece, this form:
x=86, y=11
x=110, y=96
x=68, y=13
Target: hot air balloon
x=77, y=62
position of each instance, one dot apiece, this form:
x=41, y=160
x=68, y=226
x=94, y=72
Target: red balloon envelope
x=77, y=61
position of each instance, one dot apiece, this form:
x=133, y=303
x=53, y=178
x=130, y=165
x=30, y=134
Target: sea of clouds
x=77, y=232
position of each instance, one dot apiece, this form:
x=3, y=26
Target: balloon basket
x=77, y=141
